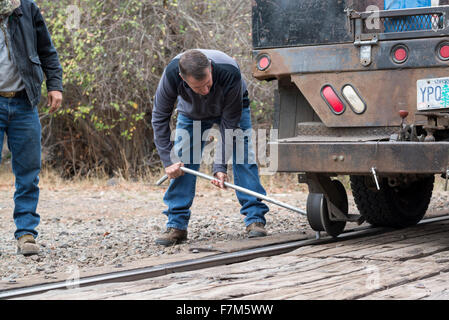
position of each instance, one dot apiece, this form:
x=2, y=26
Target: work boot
x=256, y=229
x=27, y=246
x=171, y=237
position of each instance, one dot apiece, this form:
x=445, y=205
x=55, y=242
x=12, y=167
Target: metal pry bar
x=161, y=180
x=233, y=186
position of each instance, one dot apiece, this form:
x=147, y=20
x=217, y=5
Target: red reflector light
x=443, y=51
x=399, y=54
x=263, y=62
x=333, y=101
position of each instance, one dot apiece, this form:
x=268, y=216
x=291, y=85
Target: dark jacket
x=227, y=96
x=34, y=53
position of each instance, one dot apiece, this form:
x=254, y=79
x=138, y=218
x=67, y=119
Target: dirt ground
x=113, y=222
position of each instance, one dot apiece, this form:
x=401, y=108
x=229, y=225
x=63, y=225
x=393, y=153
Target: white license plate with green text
x=433, y=94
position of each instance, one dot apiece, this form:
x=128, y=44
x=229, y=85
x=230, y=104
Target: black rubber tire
x=314, y=206
x=318, y=215
x=396, y=207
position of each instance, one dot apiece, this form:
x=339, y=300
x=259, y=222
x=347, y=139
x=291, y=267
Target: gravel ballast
x=113, y=223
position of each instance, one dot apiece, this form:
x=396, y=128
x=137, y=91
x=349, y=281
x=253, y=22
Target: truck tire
x=396, y=207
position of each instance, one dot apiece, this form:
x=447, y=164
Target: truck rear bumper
x=361, y=157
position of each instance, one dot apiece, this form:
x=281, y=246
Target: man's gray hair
x=193, y=63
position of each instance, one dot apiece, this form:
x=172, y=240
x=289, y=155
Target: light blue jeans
x=181, y=191
x=20, y=121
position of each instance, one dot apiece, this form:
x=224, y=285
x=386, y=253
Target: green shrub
x=112, y=65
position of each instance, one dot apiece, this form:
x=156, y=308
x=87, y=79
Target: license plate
x=433, y=94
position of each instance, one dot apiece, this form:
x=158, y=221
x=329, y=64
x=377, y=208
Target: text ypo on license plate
x=433, y=94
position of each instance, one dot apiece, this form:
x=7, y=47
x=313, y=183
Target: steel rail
x=201, y=263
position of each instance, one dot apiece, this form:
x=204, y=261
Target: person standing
x=26, y=54
x=209, y=89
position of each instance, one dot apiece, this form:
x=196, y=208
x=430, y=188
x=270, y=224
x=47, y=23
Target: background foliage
x=112, y=64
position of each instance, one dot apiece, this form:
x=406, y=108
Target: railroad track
x=201, y=263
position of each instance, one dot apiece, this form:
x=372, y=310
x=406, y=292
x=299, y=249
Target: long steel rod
x=233, y=186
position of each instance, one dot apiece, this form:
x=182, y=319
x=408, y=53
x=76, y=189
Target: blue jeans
x=20, y=121
x=181, y=191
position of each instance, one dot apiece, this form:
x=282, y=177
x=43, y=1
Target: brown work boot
x=27, y=246
x=171, y=237
x=256, y=229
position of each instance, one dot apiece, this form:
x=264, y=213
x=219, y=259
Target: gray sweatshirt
x=10, y=79
x=225, y=100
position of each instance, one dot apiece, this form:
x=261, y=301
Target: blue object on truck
x=411, y=23
x=404, y=4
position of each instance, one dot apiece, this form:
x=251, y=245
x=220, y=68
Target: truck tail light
x=399, y=54
x=332, y=99
x=263, y=62
x=354, y=99
x=443, y=51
